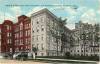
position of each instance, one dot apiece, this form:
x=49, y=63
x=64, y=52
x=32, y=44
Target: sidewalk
x=66, y=60
x=8, y=61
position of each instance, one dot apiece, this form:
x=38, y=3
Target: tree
x=34, y=49
x=63, y=37
x=67, y=54
x=63, y=22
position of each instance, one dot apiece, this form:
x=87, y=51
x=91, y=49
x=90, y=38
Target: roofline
x=44, y=10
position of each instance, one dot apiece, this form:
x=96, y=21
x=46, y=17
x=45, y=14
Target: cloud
x=90, y=12
x=70, y=26
x=9, y=17
x=34, y=10
x=99, y=0
x=68, y=10
x=16, y=10
x=89, y=16
x=1, y=17
x=75, y=16
x=98, y=11
x=6, y=16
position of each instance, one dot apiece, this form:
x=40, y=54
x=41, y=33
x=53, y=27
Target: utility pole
x=84, y=38
x=57, y=38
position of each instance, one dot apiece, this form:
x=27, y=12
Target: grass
x=92, y=58
x=58, y=61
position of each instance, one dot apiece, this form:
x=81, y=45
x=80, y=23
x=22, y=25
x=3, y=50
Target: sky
x=87, y=11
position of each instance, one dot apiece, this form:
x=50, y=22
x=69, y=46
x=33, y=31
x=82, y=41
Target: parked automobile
x=16, y=55
x=21, y=56
x=1, y=57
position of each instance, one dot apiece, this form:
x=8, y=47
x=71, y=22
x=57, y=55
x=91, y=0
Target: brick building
x=86, y=39
x=22, y=31
x=7, y=45
x=46, y=31
x=15, y=36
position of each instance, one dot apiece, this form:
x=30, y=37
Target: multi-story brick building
x=86, y=39
x=7, y=44
x=46, y=31
x=22, y=33
x=15, y=37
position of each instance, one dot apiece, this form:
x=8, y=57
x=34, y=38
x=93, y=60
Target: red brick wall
x=7, y=37
x=21, y=41
x=24, y=23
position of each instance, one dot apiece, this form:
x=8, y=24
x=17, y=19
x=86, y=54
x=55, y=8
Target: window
x=71, y=50
x=29, y=40
x=32, y=22
x=21, y=42
x=37, y=30
x=21, y=33
x=21, y=26
x=7, y=26
x=37, y=46
x=7, y=34
x=16, y=35
x=42, y=27
x=28, y=32
x=9, y=40
x=42, y=47
x=37, y=22
x=16, y=41
x=21, y=48
x=10, y=34
x=10, y=49
x=42, y=19
x=42, y=54
x=42, y=37
x=10, y=27
x=86, y=50
x=33, y=45
x=37, y=37
x=17, y=28
x=29, y=24
x=17, y=49
x=26, y=40
x=33, y=31
x=33, y=38
x=26, y=47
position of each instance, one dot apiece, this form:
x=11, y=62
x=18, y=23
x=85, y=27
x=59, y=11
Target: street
x=7, y=61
